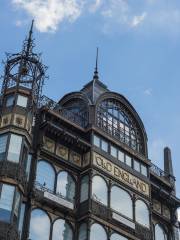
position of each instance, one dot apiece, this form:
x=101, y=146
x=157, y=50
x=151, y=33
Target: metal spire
x=29, y=42
x=96, y=77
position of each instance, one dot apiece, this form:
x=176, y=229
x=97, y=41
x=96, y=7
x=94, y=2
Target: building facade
x=77, y=169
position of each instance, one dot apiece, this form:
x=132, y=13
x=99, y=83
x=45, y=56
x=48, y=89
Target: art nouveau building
x=77, y=169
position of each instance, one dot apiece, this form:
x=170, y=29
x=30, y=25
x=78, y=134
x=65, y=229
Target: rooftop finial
x=96, y=68
x=29, y=41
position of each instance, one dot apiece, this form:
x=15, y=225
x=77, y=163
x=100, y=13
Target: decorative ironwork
x=159, y=172
x=143, y=233
x=114, y=119
x=14, y=171
x=8, y=231
x=76, y=116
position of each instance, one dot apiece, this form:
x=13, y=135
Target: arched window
x=142, y=213
x=117, y=121
x=99, y=189
x=62, y=230
x=121, y=201
x=97, y=232
x=39, y=225
x=83, y=232
x=76, y=111
x=160, y=233
x=66, y=186
x=45, y=175
x=116, y=236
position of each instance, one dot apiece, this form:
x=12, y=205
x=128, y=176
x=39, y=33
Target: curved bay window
x=66, y=186
x=160, y=233
x=99, y=190
x=142, y=213
x=113, y=118
x=62, y=230
x=97, y=232
x=116, y=236
x=10, y=200
x=39, y=225
x=45, y=175
x=121, y=202
x=76, y=111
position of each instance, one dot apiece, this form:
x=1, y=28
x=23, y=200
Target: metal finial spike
x=30, y=40
x=96, y=67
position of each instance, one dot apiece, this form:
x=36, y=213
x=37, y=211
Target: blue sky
x=139, y=44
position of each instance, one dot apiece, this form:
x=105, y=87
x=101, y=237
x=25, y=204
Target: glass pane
x=159, y=233
x=116, y=236
x=6, y=202
x=3, y=143
x=66, y=186
x=62, y=230
x=128, y=161
x=144, y=170
x=97, y=232
x=113, y=151
x=84, y=189
x=45, y=175
x=136, y=165
x=83, y=232
x=14, y=148
x=39, y=225
x=9, y=101
x=121, y=202
x=104, y=146
x=17, y=203
x=120, y=156
x=21, y=218
x=142, y=213
x=96, y=141
x=22, y=101
x=99, y=190
x=28, y=166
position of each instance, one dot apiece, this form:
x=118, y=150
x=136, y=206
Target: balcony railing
x=159, y=172
x=75, y=117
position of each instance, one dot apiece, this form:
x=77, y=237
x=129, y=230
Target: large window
x=66, y=186
x=99, y=190
x=142, y=213
x=9, y=203
x=22, y=101
x=160, y=233
x=45, y=175
x=116, y=236
x=62, y=230
x=14, y=150
x=3, y=144
x=39, y=225
x=121, y=201
x=113, y=118
x=97, y=232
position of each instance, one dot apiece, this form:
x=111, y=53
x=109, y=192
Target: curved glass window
x=45, y=175
x=97, y=232
x=83, y=232
x=61, y=230
x=142, y=213
x=99, y=190
x=66, y=186
x=116, y=236
x=14, y=150
x=113, y=118
x=39, y=225
x=6, y=202
x=3, y=145
x=76, y=111
x=121, y=201
x=159, y=233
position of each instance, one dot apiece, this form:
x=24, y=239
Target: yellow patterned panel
x=62, y=151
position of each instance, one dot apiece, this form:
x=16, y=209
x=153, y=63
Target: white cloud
x=48, y=14
x=148, y=91
x=95, y=6
x=138, y=19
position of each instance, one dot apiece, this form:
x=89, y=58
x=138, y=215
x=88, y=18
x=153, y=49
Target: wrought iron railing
x=75, y=117
x=159, y=172
x=43, y=188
